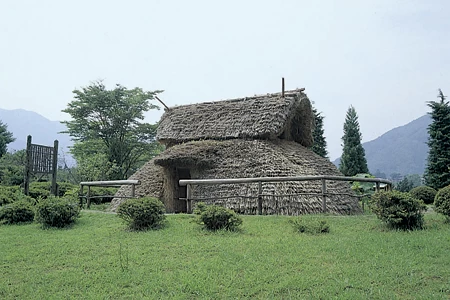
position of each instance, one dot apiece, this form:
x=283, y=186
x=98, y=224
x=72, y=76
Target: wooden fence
x=261, y=180
x=111, y=183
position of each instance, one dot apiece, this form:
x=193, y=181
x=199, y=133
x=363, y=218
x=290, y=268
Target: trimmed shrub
x=199, y=208
x=56, y=212
x=399, y=210
x=143, y=213
x=217, y=217
x=39, y=190
x=17, y=212
x=424, y=193
x=312, y=226
x=43, y=189
x=442, y=201
x=7, y=194
x=64, y=187
x=10, y=194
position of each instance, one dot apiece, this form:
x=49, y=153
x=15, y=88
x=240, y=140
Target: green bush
x=312, y=226
x=399, y=210
x=216, y=217
x=199, y=208
x=143, y=213
x=43, y=189
x=424, y=193
x=442, y=201
x=64, y=187
x=17, y=212
x=39, y=190
x=10, y=194
x=56, y=212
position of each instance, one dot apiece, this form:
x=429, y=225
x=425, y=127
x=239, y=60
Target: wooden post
x=55, y=168
x=188, y=199
x=282, y=87
x=259, y=198
x=81, y=195
x=88, y=199
x=377, y=186
x=133, y=190
x=324, y=196
x=26, y=185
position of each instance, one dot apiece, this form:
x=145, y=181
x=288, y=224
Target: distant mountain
x=401, y=150
x=43, y=131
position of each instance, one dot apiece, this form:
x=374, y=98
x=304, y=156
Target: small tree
x=404, y=185
x=320, y=144
x=437, y=173
x=353, y=159
x=6, y=138
x=109, y=122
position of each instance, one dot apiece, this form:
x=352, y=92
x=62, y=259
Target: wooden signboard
x=41, y=160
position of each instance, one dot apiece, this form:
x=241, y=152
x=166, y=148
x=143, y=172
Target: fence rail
x=261, y=198
x=111, y=183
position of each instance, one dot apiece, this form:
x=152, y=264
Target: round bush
x=424, y=193
x=217, y=217
x=143, y=213
x=17, y=212
x=399, y=210
x=442, y=201
x=8, y=194
x=56, y=212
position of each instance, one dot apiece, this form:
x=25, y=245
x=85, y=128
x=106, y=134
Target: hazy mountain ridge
x=401, y=150
x=43, y=131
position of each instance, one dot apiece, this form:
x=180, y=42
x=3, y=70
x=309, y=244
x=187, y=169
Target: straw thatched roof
x=260, y=117
x=151, y=178
x=239, y=158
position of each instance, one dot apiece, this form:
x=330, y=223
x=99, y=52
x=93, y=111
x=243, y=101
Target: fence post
x=55, y=168
x=133, y=190
x=259, y=198
x=88, y=199
x=188, y=199
x=26, y=184
x=377, y=186
x=324, y=196
x=81, y=195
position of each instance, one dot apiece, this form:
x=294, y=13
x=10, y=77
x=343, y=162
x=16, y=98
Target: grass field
x=98, y=259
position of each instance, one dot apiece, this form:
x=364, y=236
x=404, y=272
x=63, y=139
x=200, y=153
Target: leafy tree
x=379, y=174
x=320, y=144
x=353, y=159
x=437, y=173
x=12, y=167
x=415, y=180
x=404, y=185
x=6, y=138
x=107, y=128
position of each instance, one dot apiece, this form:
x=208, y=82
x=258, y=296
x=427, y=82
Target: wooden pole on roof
x=282, y=87
x=167, y=108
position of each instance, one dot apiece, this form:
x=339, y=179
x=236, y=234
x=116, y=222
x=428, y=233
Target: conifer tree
x=320, y=144
x=353, y=159
x=437, y=173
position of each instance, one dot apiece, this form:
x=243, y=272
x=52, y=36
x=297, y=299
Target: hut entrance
x=182, y=173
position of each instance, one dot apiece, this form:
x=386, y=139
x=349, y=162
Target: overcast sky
x=386, y=58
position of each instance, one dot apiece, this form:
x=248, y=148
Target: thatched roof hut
x=260, y=136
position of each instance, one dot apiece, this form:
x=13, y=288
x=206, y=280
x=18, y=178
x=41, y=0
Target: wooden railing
x=323, y=178
x=111, y=183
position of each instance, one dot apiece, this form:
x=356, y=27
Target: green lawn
x=98, y=259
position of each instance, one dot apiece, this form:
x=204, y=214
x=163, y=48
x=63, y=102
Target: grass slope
x=98, y=259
